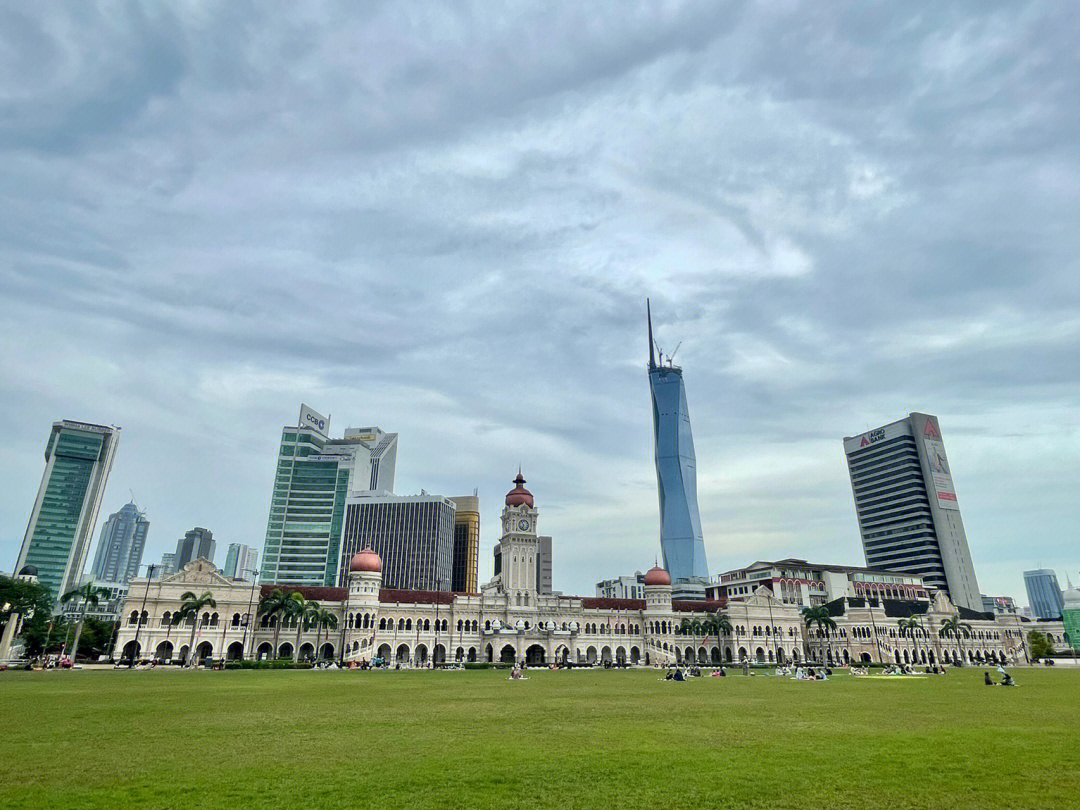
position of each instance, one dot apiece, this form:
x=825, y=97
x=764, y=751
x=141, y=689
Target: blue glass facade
x=676, y=475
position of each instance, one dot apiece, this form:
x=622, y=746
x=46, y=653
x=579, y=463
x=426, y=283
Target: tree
x=958, y=629
x=684, y=628
x=908, y=627
x=85, y=596
x=34, y=603
x=190, y=607
x=305, y=617
x=324, y=620
x=723, y=623
x=821, y=617
x=279, y=606
x=1040, y=645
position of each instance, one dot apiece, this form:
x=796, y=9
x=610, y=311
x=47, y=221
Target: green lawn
x=560, y=739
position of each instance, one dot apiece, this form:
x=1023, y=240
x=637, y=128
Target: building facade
x=241, y=561
x=197, y=543
x=681, y=541
x=78, y=459
x=543, y=564
x=631, y=587
x=167, y=565
x=999, y=604
x=120, y=549
x=905, y=500
x=798, y=582
x=413, y=534
x=464, y=576
x=1044, y=593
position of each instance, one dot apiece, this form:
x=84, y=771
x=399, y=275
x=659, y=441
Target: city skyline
x=463, y=256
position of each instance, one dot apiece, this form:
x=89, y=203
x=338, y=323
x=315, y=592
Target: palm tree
x=305, y=613
x=820, y=616
x=908, y=626
x=723, y=623
x=954, y=627
x=324, y=620
x=190, y=607
x=279, y=606
x=685, y=628
x=86, y=596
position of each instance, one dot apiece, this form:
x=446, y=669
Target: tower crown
x=519, y=495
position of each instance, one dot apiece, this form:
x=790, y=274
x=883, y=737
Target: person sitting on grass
x=1007, y=680
x=987, y=679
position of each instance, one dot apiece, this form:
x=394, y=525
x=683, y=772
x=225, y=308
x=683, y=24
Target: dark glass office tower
x=676, y=471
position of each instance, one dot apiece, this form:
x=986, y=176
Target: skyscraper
x=909, y=518
x=78, y=459
x=1044, y=593
x=198, y=543
x=241, y=561
x=413, y=534
x=543, y=564
x=314, y=475
x=120, y=549
x=463, y=577
x=168, y=565
x=681, y=542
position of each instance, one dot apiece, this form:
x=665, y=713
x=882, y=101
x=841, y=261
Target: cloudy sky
x=445, y=221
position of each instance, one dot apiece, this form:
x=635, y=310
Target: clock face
x=523, y=525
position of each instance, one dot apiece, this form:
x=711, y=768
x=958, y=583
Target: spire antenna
x=648, y=314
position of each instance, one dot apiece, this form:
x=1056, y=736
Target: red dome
x=519, y=495
x=366, y=560
x=657, y=576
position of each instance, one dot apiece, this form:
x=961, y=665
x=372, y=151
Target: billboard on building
x=313, y=419
x=871, y=437
x=939, y=467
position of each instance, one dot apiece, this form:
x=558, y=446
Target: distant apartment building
x=167, y=565
x=413, y=534
x=1044, y=593
x=798, y=582
x=78, y=459
x=241, y=561
x=120, y=549
x=198, y=543
x=314, y=476
x=625, y=587
x=463, y=576
x=108, y=607
x=909, y=516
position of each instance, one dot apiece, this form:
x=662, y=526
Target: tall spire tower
x=681, y=541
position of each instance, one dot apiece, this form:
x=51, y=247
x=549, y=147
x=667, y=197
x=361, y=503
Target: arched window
x=459, y=625
x=408, y=624
x=236, y=620
x=134, y=617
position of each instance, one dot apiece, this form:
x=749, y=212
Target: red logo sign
x=931, y=431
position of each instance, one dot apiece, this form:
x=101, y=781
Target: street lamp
x=247, y=618
x=138, y=621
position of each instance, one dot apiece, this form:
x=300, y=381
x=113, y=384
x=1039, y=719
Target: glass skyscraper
x=681, y=542
x=1044, y=593
x=78, y=459
x=120, y=549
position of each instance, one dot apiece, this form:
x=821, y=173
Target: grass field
x=560, y=739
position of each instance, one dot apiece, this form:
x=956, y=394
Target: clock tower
x=517, y=552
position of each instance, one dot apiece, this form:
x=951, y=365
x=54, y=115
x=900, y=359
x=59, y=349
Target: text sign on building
x=312, y=419
x=876, y=436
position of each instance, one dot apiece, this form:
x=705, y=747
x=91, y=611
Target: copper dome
x=657, y=576
x=366, y=560
x=519, y=495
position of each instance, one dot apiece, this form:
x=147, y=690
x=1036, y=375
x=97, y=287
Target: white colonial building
x=510, y=621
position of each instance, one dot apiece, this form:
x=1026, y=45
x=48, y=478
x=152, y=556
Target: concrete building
x=798, y=582
x=108, y=607
x=167, y=565
x=197, y=543
x=241, y=561
x=511, y=621
x=681, y=541
x=315, y=474
x=543, y=564
x=464, y=577
x=631, y=587
x=998, y=604
x=909, y=516
x=413, y=534
x=120, y=549
x=1044, y=593
x=78, y=459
